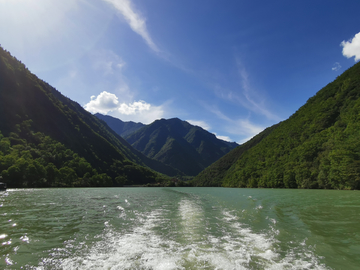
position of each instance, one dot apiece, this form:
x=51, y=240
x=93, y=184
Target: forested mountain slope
x=213, y=175
x=317, y=147
x=121, y=128
x=179, y=144
x=39, y=127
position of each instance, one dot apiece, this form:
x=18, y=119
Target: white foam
x=192, y=219
x=145, y=247
x=245, y=246
x=8, y=261
x=120, y=208
x=141, y=249
x=25, y=238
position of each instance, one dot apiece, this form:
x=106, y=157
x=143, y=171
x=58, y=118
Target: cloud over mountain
x=138, y=111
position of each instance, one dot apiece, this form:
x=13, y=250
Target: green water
x=179, y=228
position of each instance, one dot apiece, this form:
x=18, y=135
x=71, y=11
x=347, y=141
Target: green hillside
x=179, y=144
x=317, y=147
x=42, y=130
x=213, y=175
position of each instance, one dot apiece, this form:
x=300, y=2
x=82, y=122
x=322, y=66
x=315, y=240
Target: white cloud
x=134, y=19
x=336, y=66
x=137, y=111
x=103, y=103
x=224, y=138
x=134, y=108
x=352, y=47
x=199, y=123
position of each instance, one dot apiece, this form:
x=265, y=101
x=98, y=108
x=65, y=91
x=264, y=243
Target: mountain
x=317, y=147
x=213, y=175
x=122, y=128
x=179, y=144
x=43, y=132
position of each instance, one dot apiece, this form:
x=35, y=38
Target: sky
x=232, y=67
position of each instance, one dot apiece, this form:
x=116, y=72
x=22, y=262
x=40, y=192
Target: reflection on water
x=179, y=228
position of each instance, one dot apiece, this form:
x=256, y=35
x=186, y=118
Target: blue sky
x=233, y=67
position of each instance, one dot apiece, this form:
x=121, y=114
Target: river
x=179, y=228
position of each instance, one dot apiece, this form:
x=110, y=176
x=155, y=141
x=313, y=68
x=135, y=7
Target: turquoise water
x=179, y=228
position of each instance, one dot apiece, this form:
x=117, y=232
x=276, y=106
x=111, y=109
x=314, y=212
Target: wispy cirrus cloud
x=137, y=23
x=252, y=100
x=107, y=62
x=352, y=47
x=206, y=126
x=111, y=66
x=245, y=128
x=138, y=111
x=135, y=20
x=245, y=94
x=241, y=128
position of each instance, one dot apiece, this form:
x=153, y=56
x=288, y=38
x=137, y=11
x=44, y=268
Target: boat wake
x=189, y=239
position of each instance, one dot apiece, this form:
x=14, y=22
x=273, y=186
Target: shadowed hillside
x=121, y=128
x=39, y=126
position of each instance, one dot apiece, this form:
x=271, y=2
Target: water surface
x=179, y=228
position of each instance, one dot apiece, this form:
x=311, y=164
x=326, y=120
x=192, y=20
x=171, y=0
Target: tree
x=67, y=177
x=51, y=173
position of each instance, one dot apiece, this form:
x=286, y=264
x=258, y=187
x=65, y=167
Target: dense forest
x=45, y=136
x=39, y=161
x=213, y=175
x=317, y=147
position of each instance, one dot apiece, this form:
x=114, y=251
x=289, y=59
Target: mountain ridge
x=120, y=127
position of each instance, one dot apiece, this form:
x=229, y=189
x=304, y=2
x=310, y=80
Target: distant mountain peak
x=179, y=144
x=174, y=142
